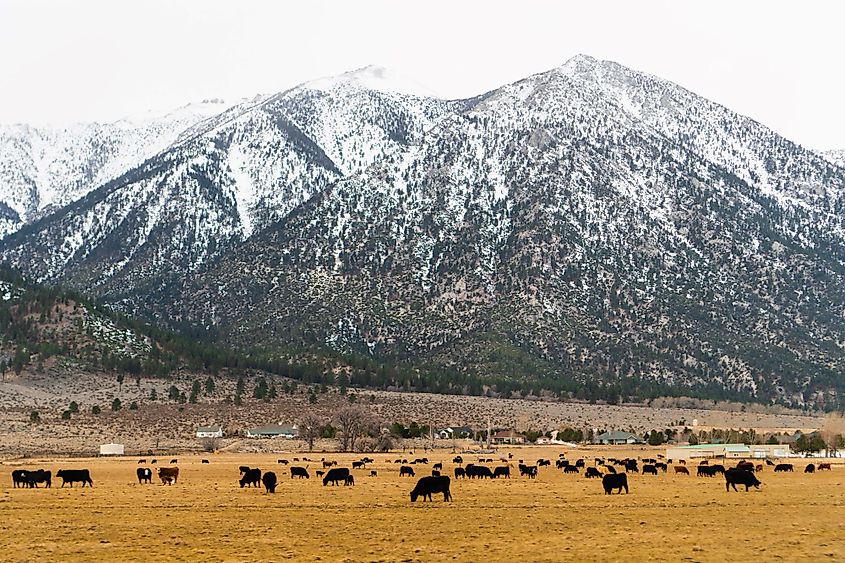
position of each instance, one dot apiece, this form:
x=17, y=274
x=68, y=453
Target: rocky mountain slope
x=45, y=168
x=590, y=231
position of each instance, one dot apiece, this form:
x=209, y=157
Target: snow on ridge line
x=373, y=77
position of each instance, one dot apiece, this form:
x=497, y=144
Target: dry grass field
x=557, y=517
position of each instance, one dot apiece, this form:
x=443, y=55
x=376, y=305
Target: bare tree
x=309, y=429
x=350, y=421
x=208, y=444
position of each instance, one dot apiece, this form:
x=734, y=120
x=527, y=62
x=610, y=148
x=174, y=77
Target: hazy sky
x=779, y=62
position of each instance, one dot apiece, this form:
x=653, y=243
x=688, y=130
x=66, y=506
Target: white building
x=737, y=451
x=111, y=449
x=273, y=431
x=210, y=432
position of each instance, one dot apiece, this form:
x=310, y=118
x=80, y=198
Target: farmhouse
x=210, y=432
x=454, y=432
x=728, y=451
x=111, y=449
x=507, y=437
x=618, y=437
x=273, y=431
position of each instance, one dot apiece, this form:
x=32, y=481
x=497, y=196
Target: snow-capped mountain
x=836, y=157
x=228, y=178
x=591, y=230
x=44, y=168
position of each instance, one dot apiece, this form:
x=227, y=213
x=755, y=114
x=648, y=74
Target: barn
x=273, y=431
x=111, y=449
x=728, y=451
x=210, y=432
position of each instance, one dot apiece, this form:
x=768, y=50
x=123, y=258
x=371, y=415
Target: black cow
x=503, y=471
x=140, y=461
x=373, y=473
x=205, y=461
x=734, y=477
x=610, y=468
x=406, y=470
x=631, y=466
x=427, y=486
x=356, y=465
x=661, y=466
x=269, y=480
x=479, y=471
x=335, y=475
x=592, y=472
x=243, y=469
x=153, y=462
x=251, y=477
x=19, y=478
x=580, y=463
x=783, y=467
x=459, y=472
x=529, y=471
x=769, y=462
x=299, y=472
x=282, y=461
x=174, y=461
x=437, y=466
x=38, y=476
x=457, y=459
x=319, y=473
x=349, y=480
x=649, y=469
x=705, y=471
x=435, y=473
x=615, y=481
x=145, y=475
x=718, y=468
x=561, y=463
x=570, y=469
x=75, y=476
x=810, y=468
x=542, y=462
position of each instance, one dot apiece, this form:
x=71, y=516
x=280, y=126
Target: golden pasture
x=557, y=517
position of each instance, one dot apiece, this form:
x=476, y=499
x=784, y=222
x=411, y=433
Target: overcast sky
x=779, y=62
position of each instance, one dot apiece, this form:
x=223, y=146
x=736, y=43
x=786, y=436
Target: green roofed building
x=728, y=451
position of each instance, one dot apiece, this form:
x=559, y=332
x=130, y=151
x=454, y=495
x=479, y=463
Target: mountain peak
x=374, y=77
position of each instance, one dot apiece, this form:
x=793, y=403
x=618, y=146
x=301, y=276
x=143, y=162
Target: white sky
x=782, y=63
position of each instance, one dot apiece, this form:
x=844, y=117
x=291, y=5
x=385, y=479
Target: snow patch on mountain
x=376, y=78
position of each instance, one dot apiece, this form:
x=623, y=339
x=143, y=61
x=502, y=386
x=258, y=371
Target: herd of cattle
x=743, y=474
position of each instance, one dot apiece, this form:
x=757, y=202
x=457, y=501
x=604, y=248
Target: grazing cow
x=580, y=463
x=406, y=470
x=300, y=472
x=824, y=467
x=365, y=460
x=610, y=468
x=570, y=469
x=704, y=462
x=282, y=461
x=457, y=459
x=459, y=472
x=336, y=475
x=745, y=465
x=153, y=462
x=592, y=472
x=502, y=471
x=810, y=468
x=435, y=473
x=140, y=461
x=615, y=481
x=648, y=468
x=270, y=481
x=243, y=469
x=705, y=471
x=75, y=476
x=319, y=473
x=561, y=463
x=168, y=474
x=19, y=478
x=661, y=466
x=681, y=461
x=250, y=477
x=437, y=466
x=783, y=467
x=631, y=466
x=529, y=471
x=39, y=476
x=357, y=465
x=427, y=486
x=734, y=477
x=542, y=462
x=205, y=461
x=327, y=464
x=769, y=462
x=719, y=468
x=373, y=473
x=479, y=471
x=759, y=468
x=296, y=459
x=349, y=480
x=145, y=475
x=174, y=461
x=681, y=469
